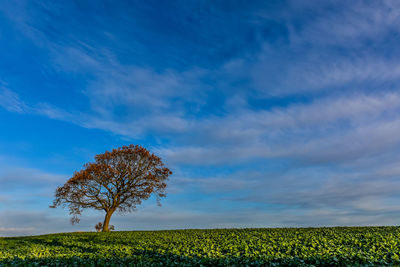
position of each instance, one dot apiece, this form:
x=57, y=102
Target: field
x=339, y=246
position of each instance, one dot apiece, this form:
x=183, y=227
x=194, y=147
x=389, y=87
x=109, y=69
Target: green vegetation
x=342, y=246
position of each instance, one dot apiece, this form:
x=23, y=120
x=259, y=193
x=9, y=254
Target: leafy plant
x=337, y=246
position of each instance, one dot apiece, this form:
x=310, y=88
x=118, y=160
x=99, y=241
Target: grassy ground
x=343, y=246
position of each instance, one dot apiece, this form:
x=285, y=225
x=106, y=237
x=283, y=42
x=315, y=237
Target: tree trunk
x=107, y=221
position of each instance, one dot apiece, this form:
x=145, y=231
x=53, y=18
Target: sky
x=269, y=113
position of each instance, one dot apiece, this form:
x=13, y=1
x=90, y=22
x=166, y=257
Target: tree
x=117, y=181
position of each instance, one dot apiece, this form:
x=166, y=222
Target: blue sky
x=269, y=113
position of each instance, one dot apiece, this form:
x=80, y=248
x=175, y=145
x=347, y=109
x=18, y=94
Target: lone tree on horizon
x=117, y=181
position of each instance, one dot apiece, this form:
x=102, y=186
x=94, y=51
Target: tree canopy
x=117, y=180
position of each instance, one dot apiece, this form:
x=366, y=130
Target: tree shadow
x=76, y=247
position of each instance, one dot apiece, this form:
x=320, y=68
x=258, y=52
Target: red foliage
x=118, y=180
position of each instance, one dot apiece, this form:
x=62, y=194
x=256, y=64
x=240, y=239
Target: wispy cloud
x=334, y=24
x=348, y=74
x=10, y=101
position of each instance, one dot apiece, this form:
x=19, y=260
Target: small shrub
x=98, y=227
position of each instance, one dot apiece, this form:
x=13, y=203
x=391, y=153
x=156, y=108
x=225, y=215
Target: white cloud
x=326, y=130
x=13, y=175
x=10, y=101
x=316, y=74
x=345, y=25
x=16, y=231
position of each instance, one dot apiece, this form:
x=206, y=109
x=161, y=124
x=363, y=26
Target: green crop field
x=339, y=246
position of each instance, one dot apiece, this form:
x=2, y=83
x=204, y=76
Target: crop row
x=353, y=246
